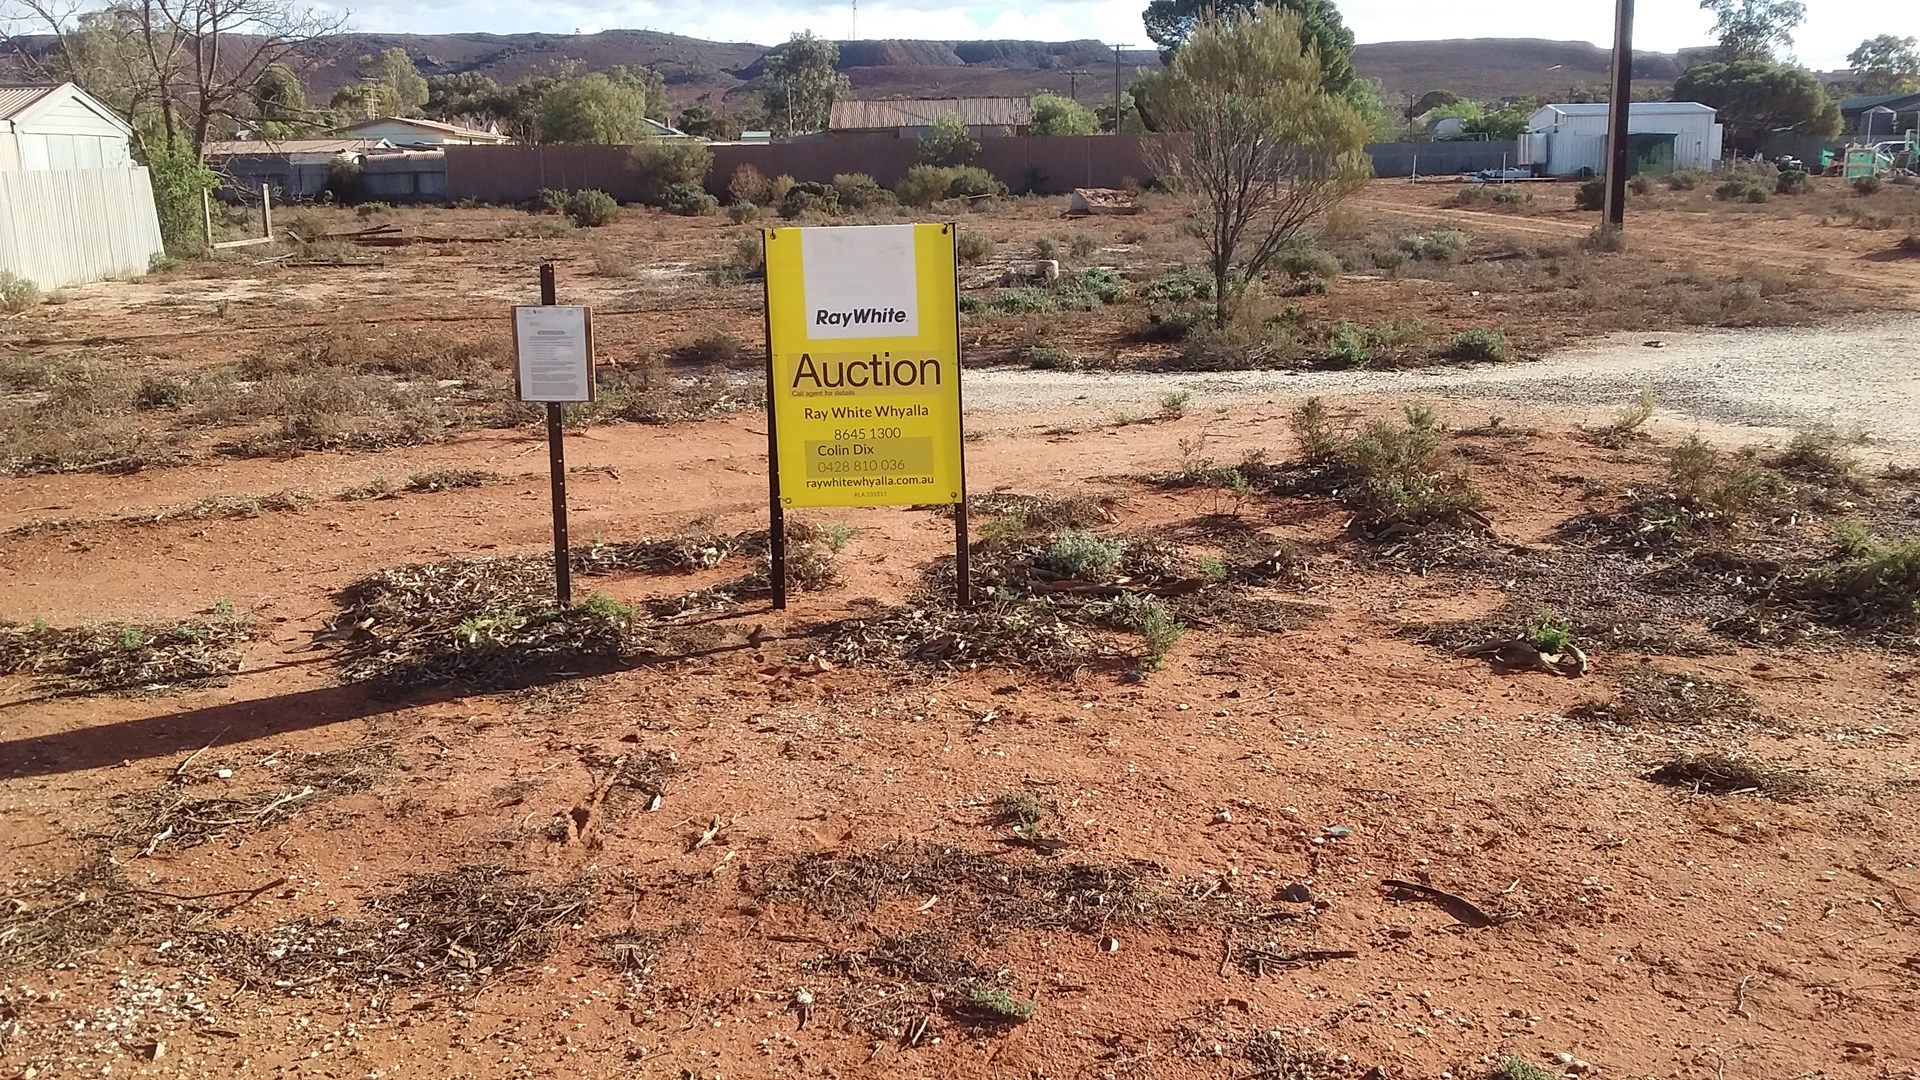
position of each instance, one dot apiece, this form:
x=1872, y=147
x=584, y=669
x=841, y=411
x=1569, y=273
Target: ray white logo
x=876, y=318
x=860, y=281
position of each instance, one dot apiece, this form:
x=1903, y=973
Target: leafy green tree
x=1268, y=148
x=1755, y=98
x=464, y=94
x=280, y=103
x=594, y=109
x=394, y=69
x=802, y=81
x=1437, y=99
x=365, y=101
x=1754, y=29
x=949, y=143
x=1886, y=64
x=179, y=178
x=647, y=81
x=1171, y=22
x=1501, y=124
x=1056, y=115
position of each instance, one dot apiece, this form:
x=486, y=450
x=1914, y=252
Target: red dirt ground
x=1652, y=932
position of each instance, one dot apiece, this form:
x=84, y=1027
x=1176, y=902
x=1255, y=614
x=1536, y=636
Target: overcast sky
x=1832, y=29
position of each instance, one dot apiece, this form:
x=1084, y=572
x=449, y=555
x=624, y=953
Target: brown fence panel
x=882, y=157
x=1046, y=164
x=1053, y=164
x=506, y=174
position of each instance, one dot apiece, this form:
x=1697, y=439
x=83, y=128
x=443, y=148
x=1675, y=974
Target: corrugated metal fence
x=1438, y=158
x=67, y=226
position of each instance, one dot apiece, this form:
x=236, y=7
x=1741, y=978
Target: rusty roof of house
x=292, y=146
x=431, y=125
x=16, y=96
x=921, y=112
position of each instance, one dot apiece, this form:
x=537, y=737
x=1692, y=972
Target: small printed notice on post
x=553, y=353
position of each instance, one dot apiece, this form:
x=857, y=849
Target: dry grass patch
x=126, y=658
x=1649, y=698
x=1730, y=773
x=459, y=928
x=48, y=923
x=180, y=815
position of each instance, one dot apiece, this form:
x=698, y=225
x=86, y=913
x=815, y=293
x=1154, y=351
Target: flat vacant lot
x=1360, y=738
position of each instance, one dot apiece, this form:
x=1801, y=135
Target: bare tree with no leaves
x=184, y=68
x=1256, y=142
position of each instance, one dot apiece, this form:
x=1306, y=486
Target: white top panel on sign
x=860, y=281
x=555, y=353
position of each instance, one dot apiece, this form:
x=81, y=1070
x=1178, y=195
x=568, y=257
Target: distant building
x=413, y=133
x=297, y=168
x=45, y=127
x=1864, y=111
x=1569, y=140
x=658, y=130
x=913, y=118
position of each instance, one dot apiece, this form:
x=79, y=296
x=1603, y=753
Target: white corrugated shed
x=65, y=226
x=59, y=127
x=73, y=205
x=1567, y=139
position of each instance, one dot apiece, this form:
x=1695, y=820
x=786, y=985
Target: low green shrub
x=1081, y=555
x=1045, y=357
x=688, y=200
x=17, y=294
x=1591, y=194
x=1192, y=283
x=741, y=213
x=1793, y=182
x=1309, y=262
x=1440, y=245
x=1741, y=189
x=1868, y=185
x=858, y=191
x=1023, y=301
x=591, y=209
x=973, y=247
x=547, y=201
x=1480, y=344
x=924, y=185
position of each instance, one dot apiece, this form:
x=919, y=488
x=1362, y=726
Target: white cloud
x=1833, y=28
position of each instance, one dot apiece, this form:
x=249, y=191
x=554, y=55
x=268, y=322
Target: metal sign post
x=553, y=364
x=863, y=376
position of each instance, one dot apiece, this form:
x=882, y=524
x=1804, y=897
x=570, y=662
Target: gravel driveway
x=1737, y=385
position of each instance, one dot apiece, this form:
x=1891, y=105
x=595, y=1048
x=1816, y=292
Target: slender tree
x=1754, y=29
x=394, y=69
x=1170, y=22
x=802, y=81
x=1258, y=143
x=1886, y=64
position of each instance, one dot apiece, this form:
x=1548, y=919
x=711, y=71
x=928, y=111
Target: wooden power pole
x=1619, y=105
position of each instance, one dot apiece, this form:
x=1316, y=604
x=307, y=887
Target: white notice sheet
x=553, y=353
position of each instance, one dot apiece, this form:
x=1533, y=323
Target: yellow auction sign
x=863, y=371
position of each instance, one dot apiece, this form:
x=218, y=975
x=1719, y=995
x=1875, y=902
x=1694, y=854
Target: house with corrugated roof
x=295, y=168
x=415, y=133
x=913, y=118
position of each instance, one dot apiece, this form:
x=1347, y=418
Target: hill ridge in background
x=721, y=72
